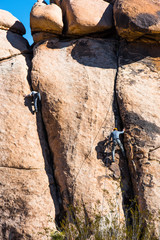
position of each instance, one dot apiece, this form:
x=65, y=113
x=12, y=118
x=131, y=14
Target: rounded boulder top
x=134, y=19
x=10, y=23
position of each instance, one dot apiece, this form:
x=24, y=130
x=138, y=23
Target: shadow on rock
x=17, y=42
x=92, y=52
x=13, y=233
x=150, y=128
x=103, y=153
x=48, y=160
x=108, y=13
x=135, y=51
x=29, y=103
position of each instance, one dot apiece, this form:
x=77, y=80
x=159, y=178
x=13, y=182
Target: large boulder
x=139, y=101
x=45, y=19
x=134, y=19
x=77, y=87
x=26, y=202
x=11, y=23
x=84, y=17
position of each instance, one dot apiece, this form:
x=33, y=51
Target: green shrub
x=78, y=226
x=57, y=235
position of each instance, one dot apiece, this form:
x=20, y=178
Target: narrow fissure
x=126, y=182
x=49, y=168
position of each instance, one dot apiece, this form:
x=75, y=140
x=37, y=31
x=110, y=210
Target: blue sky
x=21, y=10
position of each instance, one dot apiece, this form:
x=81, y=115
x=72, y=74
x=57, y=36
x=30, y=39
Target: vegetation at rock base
x=79, y=227
x=57, y=235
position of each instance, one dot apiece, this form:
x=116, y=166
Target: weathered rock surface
x=11, y=23
x=77, y=111
x=26, y=202
x=134, y=19
x=139, y=100
x=84, y=17
x=47, y=19
x=12, y=44
x=76, y=80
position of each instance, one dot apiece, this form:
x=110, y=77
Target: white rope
x=103, y=222
x=94, y=140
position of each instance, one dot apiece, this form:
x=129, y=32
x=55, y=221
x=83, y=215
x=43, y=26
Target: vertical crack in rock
x=126, y=182
x=49, y=166
x=62, y=114
x=86, y=73
x=48, y=160
x=139, y=69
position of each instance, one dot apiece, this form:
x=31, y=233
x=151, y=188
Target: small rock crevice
x=21, y=168
x=15, y=55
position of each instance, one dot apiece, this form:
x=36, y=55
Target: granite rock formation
x=88, y=86
x=45, y=21
x=134, y=19
x=26, y=202
x=80, y=17
x=78, y=115
x=10, y=23
x=138, y=96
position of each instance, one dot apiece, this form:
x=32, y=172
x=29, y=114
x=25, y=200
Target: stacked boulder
x=135, y=19
x=46, y=21
x=79, y=18
x=132, y=19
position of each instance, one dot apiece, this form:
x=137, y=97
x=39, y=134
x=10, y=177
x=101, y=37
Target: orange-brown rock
x=77, y=86
x=139, y=101
x=134, y=19
x=12, y=44
x=84, y=17
x=45, y=18
x=26, y=202
x=11, y=23
x=79, y=82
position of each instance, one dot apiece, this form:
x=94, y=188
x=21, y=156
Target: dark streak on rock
x=145, y=20
x=150, y=128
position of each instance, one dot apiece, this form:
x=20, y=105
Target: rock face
x=88, y=86
x=134, y=19
x=25, y=195
x=139, y=101
x=13, y=44
x=77, y=111
x=45, y=19
x=80, y=17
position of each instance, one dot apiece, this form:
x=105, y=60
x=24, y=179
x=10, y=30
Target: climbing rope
x=102, y=222
x=104, y=184
x=87, y=157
